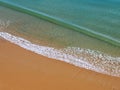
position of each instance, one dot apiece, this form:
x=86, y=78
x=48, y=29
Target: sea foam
x=84, y=58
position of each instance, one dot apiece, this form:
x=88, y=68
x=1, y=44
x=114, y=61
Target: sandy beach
x=24, y=70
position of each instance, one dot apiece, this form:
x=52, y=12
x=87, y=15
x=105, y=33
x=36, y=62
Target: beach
x=21, y=69
x=51, y=45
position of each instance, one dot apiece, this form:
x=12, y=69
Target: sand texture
x=24, y=70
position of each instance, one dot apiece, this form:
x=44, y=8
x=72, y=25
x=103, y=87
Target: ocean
x=80, y=32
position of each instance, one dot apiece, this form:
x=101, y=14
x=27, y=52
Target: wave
x=62, y=22
x=84, y=58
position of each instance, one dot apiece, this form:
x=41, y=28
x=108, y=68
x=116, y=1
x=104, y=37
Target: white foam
x=84, y=58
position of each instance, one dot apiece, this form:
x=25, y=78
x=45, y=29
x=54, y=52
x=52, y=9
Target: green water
x=97, y=18
x=45, y=33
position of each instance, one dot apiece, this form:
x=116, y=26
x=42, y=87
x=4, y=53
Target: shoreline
x=83, y=58
x=24, y=70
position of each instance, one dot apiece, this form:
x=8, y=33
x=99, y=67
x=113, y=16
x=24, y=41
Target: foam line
x=84, y=58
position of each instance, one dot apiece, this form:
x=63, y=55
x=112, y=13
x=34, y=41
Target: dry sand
x=24, y=70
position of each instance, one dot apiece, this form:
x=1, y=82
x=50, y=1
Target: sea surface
x=97, y=18
x=80, y=32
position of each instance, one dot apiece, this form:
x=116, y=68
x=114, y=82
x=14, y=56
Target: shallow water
x=46, y=33
x=100, y=18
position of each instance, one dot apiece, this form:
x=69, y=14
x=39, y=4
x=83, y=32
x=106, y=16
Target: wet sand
x=24, y=70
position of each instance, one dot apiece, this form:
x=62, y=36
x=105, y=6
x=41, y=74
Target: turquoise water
x=48, y=34
x=97, y=18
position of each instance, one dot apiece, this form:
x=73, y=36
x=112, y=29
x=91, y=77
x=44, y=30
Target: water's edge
x=85, y=58
x=61, y=22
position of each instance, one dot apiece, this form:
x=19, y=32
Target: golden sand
x=24, y=70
